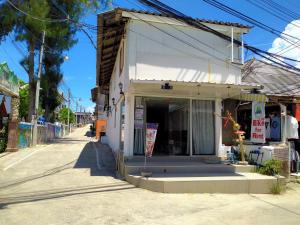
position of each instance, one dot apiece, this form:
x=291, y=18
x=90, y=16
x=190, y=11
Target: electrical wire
x=261, y=25
x=36, y=18
x=186, y=34
x=13, y=60
x=168, y=11
x=82, y=29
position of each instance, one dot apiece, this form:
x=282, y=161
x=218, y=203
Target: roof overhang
x=242, y=86
x=206, y=90
x=111, y=28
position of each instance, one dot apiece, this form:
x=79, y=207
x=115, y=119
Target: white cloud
x=284, y=48
x=90, y=108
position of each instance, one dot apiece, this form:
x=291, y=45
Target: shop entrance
x=172, y=118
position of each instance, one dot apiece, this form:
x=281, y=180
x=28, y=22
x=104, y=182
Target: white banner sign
x=258, y=129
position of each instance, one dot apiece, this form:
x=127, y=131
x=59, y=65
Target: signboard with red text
x=258, y=129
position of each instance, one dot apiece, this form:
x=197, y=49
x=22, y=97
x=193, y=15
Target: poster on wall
x=151, y=131
x=258, y=129
x=139, y=117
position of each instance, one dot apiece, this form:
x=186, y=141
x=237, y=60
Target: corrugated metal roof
x=224, y=23
x=277, y=81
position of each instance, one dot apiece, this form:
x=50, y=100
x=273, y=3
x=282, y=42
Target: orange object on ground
x=297, y=112
x=100, y=128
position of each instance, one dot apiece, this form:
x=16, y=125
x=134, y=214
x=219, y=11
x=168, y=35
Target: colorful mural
x=45, y=133
x=24, y=135
x=41, y=134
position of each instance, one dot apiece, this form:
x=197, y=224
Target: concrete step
x=200, y=158
x=185, y=167
x=229, y=183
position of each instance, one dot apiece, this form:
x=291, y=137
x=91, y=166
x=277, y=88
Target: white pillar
x=242, y=37
x=191, y=127
x=232, y=58
x=129, y=125
x=218, y=126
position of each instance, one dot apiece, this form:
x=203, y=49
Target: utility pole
x=37, y=92
x=69, y=95
x=76, y=113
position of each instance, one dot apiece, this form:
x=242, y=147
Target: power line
x=13, y=60
x=186, y=34
x=271, y=11
x=168, y=11
x=82, y=29
x=36, y=18
x=261, y=25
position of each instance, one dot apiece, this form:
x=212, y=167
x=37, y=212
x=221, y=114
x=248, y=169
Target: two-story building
x=156, y=69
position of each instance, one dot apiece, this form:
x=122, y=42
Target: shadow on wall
x=98, y=158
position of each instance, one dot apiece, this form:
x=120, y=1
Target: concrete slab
x=206, y=183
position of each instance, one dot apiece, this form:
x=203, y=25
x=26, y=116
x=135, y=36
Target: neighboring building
x=9, y=91
x=146, y=73
x=83, y=118
x=282, y=109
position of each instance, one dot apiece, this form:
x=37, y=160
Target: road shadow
x=87, y=159
x=89, y=134
x=42, y=195
x=98, y=158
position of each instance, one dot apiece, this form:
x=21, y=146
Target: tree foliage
x=59, y=19
x=63, y=116
x=24, y=100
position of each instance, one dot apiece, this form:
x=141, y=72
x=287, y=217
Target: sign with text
x=258, y=129
x=151, y=131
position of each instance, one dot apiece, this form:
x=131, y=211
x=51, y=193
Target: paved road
x=67, y=183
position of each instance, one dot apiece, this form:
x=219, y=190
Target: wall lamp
x=121, y=88
x=113, y=101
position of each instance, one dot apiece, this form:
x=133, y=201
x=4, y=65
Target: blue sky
x=80, y=70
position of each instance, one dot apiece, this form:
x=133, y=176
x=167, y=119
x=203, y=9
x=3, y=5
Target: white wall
x=113, y=120
x=151, y=54
x=154, y=55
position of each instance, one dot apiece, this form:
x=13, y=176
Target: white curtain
x=203, y=127
x=139, y=131
x=139, y=139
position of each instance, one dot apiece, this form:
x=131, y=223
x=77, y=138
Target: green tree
x=24, y=97
x=27, y=19
x=63, y=116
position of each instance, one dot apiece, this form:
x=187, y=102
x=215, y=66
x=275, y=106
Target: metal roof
x=218, y=22
x=277, y=81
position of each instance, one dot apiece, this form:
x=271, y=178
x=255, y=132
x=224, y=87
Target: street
x=72, y=181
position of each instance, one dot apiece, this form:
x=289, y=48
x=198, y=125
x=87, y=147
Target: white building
x=155, y=69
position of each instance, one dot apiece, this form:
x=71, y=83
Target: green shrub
x=3, y=138
x=276, y=188
x=271, y=167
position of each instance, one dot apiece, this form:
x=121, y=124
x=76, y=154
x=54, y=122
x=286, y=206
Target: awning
x=252, y=97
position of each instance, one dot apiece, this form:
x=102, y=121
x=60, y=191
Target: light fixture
x=121, y=88
x=166, y=86
x=113, y=101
